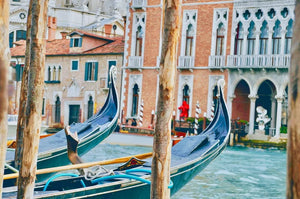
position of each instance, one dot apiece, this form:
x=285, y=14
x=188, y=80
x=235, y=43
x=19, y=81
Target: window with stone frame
x=138, y=36
x=263, y=39
x=76, y=42
x=276, y=38
x=220, y=40
x=251, y=39
x=288, y=37
x=189, y=45
x=91, y=71
x=238, y=44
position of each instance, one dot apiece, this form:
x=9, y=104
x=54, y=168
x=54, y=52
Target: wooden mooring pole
x=162, y=136
x=4, y=64
x=34, y=99
x=23, y=95
x=293, y=152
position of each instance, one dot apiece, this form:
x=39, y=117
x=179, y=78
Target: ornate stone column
x=278, y=118
x=270, y=36
x=273, y=113
x=252, y=113
x=229, y=104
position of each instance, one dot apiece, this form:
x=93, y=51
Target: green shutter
x=80, y=42
x=71, y=42
x=96, y=71
x=18, y=75
x=86, y=71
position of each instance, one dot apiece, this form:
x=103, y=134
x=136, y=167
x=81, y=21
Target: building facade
x=247, y=43
x=76, y=75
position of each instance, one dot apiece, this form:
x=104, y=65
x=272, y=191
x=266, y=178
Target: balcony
x=139, y=4
x=135, y=62
x=216, y=61
x=259, y=61
x=186, y=62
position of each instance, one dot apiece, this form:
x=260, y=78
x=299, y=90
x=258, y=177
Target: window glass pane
x=74, y=65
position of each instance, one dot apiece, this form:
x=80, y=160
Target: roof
x=62, y=46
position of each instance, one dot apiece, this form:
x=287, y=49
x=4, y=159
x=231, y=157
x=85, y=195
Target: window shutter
x=71, y=42
x=18, y=72
x=86, y=71
x=96, y=71
x=80, y=42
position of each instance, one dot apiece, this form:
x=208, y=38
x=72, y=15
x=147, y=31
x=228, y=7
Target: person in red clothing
x=184, y=108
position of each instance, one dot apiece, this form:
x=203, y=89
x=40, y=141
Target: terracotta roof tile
x=62, y=47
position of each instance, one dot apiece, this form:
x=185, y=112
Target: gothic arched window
x=263, y=39
x=135, y=100
x=189, y=41
x=49, y=73
x=276, y=38
x=139, y=41
x=288, y=37
x=238, y=45
x=57, y=110
x=186, y=94
x=90, y=107
x=251, y=39
x=220, y=39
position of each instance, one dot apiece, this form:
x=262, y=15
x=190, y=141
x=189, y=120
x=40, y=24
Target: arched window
x=189, y=41
x=238, y=45
x=288, y=37
x=59, y=73
x=135, y=100
x=57, y=110
x=186, y=94
x=251, y=38
x=139, y=41
x=263, y=39
x=220, y=39
x=90, y=107
x=276, y=38
x=54, y=74
x=215, y=97
x=49, y=73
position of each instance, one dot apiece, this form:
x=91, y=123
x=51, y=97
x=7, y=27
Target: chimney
x=64, y=35
x=51, y=28
x=107, y=29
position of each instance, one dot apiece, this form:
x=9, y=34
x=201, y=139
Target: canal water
x=239, y=172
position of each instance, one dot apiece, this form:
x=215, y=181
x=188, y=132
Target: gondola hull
x=53, y=149
x=189, y=157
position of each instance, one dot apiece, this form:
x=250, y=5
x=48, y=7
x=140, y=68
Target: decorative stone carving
x=262, y=118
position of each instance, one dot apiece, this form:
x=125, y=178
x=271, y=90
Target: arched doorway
x=284, y=112
x=57, y=110
x=241, y=102
x=266, y=98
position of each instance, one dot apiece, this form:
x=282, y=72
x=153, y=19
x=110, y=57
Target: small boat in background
x=12, y=121
x=53, y=149
x=132, y=180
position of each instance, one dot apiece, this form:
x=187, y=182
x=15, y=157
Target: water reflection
x=239, y=172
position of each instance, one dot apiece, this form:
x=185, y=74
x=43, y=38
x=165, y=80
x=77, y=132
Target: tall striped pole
x=212, y=111
x=141, y=113
x=198, y=111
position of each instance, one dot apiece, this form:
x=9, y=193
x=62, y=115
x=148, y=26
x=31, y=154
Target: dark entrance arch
x=241, y=102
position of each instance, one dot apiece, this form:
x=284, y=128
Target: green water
x=239, y=172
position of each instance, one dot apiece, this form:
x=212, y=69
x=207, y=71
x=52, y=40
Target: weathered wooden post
x=23, y=96
x=34, y=99
x=293, y=159
x=162, y=137
x=4, y=64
